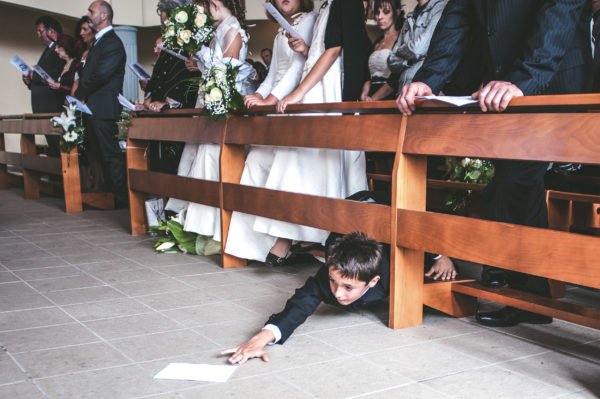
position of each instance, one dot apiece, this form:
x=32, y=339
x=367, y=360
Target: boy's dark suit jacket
x=541, y=46
x=101, y=80
x=43, y=98
x=305, y=300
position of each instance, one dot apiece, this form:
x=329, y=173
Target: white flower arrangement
x=72, y=123
x=219, y=90
x=468, y=170
x=187, y=29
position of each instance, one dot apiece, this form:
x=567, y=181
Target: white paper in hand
x=80, y=106
x=20, y=65
x=40, y=71
x=196, y=372
x=173, y=53
x=140, y=72
x=281, y=21
x=457, y=101
x=126, y=103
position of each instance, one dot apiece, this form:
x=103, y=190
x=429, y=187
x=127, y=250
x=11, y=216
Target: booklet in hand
x=20, y=65
x=40, y=71
x=282, y=21
x=80, y=106
x=139, y=70
x=126, y=103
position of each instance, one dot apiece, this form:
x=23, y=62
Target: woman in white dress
x=283, y=77
x=201, y=161
x=327, y=77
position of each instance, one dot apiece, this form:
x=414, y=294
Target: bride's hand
x=292, y=98
x=251, y=99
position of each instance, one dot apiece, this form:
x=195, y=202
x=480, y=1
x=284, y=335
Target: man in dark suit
x=43, y=98
x=100, y=83
x=524, y=47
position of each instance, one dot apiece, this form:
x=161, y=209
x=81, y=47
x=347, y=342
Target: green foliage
x=171, y=238
x=187, y=29
x=478, y=171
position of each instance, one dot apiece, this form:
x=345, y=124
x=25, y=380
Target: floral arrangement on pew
x=171, y=238
x=71, y=120
x=187, y=29
x=220, y=92
x=468, y=170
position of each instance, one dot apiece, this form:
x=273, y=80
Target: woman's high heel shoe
x=274, y=260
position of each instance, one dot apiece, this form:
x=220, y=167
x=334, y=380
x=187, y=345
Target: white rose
x=168, y=22
x=465, y=162
x=185, y=35
x=200, y=20
x=181, y=17
x=220, y=76
x=215, y=94
x=200, y=9
x=170, y=31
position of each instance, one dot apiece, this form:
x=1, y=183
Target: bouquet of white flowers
x=72, y=123
x=219, y=90
x=187, y=29
x=468, y=170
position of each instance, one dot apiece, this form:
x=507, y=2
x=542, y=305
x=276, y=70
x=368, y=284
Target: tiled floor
x=88, y=311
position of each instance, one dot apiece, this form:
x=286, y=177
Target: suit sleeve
x=302, y=304
x=556, y=22
x=449, y=44
x=104, y=69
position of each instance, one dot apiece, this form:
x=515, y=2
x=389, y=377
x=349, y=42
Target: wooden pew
x=34, y=166
x=542, y=128
x=174, y=125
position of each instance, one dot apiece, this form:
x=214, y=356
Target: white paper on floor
x=196, y=372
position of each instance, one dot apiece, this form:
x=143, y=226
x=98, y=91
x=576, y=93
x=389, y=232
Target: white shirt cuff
x=436, y=257
x=276, y=332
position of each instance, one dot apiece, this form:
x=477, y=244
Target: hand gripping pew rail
x=34, y=166
x=436, y=130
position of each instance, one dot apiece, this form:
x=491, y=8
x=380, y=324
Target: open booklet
x=458, y=101
x=281, y=20
x=20, y=65
x=173, y=53
x=80, y=106
x=139, y=71
x=40, y=71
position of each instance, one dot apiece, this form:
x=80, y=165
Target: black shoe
x=509, y=316
x=273, y=260
x=493, y=277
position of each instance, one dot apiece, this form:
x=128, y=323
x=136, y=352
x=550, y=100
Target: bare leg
x=281, y=247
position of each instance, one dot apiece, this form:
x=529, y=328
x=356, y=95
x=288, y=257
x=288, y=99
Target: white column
x=128, y=35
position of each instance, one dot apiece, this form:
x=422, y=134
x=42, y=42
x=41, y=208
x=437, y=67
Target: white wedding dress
x=201, y=161
x=283, y=77
x=329, y=173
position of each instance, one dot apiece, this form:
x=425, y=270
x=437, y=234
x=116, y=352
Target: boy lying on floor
x=356, y=273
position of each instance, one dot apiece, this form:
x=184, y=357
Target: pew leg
x=3, y=169
x=136, y=159
x=31, y=181
x=71, y=181
x=439, y=295
x=559, y=214
x=585, y=215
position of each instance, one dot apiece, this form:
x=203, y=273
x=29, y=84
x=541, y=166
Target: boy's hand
x=442, y=269
x=255, y=347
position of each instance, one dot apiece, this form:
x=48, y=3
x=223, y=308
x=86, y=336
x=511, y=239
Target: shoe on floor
x=509, y=316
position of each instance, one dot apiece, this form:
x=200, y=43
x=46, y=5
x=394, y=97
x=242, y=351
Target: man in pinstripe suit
x=523, y=47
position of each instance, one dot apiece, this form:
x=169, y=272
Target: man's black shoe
x=493, y=277
x=509, y=316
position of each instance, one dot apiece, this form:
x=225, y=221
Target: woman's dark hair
x=237, y=9
x=67, y=42
x=83, y=20
x=305, y=6
x=397, y=11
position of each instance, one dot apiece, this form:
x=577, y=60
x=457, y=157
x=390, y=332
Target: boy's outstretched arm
x=255, y=347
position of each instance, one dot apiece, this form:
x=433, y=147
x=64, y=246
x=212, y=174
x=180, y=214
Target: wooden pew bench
x=35, y=166
x=542, y=128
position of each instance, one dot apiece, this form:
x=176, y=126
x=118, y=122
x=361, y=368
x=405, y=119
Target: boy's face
x=347, y=290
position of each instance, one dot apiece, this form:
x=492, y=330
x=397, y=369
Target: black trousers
x=102, y=134
x=517, y=195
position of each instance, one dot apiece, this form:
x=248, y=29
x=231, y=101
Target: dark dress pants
x=517, y=195
x=103, y=135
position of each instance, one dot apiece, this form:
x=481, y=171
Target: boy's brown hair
x=356, y=256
